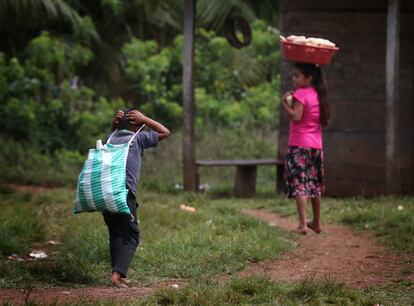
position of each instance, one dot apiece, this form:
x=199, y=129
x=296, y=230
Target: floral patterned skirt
x=304, y=173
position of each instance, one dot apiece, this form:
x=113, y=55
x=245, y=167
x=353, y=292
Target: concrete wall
x=355, y=143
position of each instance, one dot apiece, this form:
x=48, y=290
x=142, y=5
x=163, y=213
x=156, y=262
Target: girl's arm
x=295, y=112
x=139, y=118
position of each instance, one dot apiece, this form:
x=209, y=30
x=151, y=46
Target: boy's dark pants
x=123, y=237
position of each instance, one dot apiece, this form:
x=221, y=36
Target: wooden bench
x=246, y=173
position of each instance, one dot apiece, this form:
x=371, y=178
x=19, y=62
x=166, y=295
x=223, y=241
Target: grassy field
x=175, y=244
x=262, y=291
x=198, y=248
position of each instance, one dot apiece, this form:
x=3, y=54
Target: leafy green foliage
x=42, y=104
x=233, y=87
x=14, y=13
x=45, y=104
x=53, y=115
x=152, y=77
x=28, y=165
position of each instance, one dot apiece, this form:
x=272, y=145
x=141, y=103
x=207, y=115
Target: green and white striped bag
x=102, y=181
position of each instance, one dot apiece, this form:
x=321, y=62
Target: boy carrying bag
x=102, y=181
x=108, y=184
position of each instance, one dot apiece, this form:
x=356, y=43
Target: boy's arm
x=138, y=118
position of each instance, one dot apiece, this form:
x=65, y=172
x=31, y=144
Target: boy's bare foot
x=125, y=280
x=316, y=228
x=300, y=230
x=119, y=285
x=117, y=281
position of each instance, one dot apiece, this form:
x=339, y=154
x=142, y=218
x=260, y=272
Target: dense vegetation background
x=67, y=66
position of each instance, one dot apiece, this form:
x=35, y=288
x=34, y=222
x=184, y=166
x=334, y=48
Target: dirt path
x=67, y=296
x=341, y=254
x=29, y=188
x=70, y=295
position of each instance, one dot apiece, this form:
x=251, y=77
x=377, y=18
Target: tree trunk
x=392, y=89
x=190, y=170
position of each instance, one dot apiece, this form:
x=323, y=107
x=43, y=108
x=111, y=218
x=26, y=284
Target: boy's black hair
x=123, y=123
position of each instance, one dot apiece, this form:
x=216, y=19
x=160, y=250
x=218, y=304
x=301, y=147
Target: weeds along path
x=67, y=296
x=340, y=254
x=29, y=188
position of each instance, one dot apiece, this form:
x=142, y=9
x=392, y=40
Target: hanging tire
x=230, y=27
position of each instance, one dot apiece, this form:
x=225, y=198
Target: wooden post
x=245, y=182
x=392, y=178
x=189, y=166
x=280, y=168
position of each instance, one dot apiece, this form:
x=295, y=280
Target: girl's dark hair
x=321, y=86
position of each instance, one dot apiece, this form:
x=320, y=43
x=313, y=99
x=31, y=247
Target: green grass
x=175, y=244
x=263, y=291
x=256, y=291
x=18, y=226
x=197, y=248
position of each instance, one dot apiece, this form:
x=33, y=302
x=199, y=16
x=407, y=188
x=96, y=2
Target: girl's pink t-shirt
x=308, y=131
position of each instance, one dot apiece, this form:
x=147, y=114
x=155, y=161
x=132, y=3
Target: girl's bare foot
x=316, y=228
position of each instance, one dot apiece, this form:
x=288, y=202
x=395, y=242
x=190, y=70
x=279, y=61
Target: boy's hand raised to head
x=119, y=114
x=135, y=117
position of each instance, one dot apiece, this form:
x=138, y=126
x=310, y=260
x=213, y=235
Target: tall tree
x=29, y=17
x=106, y=25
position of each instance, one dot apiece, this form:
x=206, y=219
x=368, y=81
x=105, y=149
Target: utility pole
x=189, y=166
x=392, y=173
